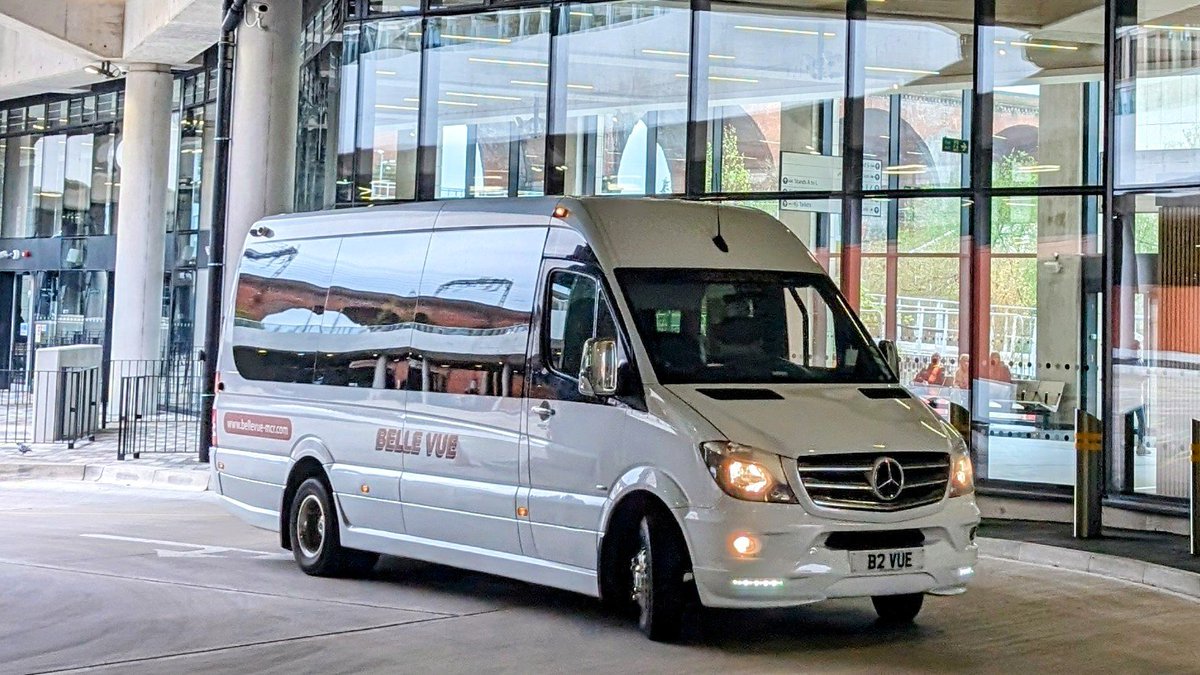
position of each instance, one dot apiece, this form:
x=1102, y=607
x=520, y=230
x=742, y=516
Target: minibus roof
x=623, y=231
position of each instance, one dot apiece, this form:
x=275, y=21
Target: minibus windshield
x=749, y=327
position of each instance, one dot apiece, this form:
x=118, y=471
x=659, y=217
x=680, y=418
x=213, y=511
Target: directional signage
x=955, y=145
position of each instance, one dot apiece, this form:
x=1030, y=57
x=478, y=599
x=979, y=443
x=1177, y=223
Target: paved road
x=134, y=581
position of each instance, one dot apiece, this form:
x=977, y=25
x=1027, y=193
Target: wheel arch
x=305, y=465
x=638, y=492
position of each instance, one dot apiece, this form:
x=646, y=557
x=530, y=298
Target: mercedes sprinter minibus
x=647, y=401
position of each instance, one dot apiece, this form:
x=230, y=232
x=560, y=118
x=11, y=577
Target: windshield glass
x=747, y=327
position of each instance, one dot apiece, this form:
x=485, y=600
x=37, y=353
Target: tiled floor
x=104, y=451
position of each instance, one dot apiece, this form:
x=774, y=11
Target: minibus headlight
x=747, y=473
x=962, y=473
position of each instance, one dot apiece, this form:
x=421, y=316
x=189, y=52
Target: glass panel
x=390, y=71
x=914, y=275
x=916, y=121
x=1036, y=368
x=82, y=301
x=1156, y=354
x=19, y=168
x=1048, y=101
x=316, y=151
x=625, y=120
x=103, y=194
x=1157, y=108
x=775, y=121
x=490, y=132
x=191, y=168
x=77, y=189
x=49, y=167
x=388, y=6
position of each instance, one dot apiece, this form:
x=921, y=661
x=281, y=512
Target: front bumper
x=793, y=565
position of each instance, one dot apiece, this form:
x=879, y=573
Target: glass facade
x=189, y=214
x=60, y=177
x=946, y=162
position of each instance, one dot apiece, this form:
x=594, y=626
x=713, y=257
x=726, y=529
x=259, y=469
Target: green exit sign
x=957, y=145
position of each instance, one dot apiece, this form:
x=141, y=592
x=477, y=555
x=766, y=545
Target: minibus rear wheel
x=898, y=609
x=316, y=543
x=658, y=565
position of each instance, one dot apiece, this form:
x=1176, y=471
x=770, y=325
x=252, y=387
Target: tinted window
x=471, y=326
x=731, y=326
x=572, y=319
x=280, y=305
x=370, y=310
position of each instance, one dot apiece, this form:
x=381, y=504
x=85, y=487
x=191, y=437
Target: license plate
x=888, y=561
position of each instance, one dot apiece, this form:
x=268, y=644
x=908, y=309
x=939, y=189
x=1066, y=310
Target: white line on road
x=197, y=550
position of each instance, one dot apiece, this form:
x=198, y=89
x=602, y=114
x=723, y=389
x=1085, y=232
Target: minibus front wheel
x=657, y=571
x=316, y=542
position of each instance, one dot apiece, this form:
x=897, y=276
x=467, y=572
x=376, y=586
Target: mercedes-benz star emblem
x=887, y=478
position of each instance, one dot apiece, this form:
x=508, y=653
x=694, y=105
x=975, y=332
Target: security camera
x=261, y=7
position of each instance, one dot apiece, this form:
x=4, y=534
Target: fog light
x=744, y=545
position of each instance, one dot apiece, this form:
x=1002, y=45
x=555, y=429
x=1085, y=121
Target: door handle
x=543, y=410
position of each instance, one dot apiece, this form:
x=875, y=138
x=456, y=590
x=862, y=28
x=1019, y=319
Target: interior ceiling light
x=786, y=31
x=1044, y=45
x=507, y=62
x=905, y=71
x=1160, y=26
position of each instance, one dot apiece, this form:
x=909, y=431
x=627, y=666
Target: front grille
x=844, y=481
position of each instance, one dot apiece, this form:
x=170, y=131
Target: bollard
x=1089, y=481
x=1195, y=510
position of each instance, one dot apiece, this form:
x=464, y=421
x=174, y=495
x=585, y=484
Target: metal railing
x=157, y=406
x=62, y=406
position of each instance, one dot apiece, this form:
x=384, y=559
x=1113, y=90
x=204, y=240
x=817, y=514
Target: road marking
x=196, y=550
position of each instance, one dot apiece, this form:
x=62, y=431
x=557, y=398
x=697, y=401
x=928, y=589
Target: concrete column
x=141, y=229
x=1059, y=247
x=262, y=152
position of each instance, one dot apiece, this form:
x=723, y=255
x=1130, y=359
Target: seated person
x=933, y=374
x=962, y=375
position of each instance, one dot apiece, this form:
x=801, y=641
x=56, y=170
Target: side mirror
x=891, y=355
x=598, y=369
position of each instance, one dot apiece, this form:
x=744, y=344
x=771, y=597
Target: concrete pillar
x=141, y=230
x=1059, y=247
x=262, y=151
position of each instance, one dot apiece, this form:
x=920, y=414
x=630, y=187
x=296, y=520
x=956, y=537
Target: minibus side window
x=470, y=330
x=279, y=308
x=572, y=313
x=370, y=312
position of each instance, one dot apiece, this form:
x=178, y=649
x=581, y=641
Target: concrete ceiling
x=45, y=44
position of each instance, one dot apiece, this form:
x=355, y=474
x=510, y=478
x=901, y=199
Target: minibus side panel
x=572, y=436
x=281, y=290
x=362, y=370
x=464, y=413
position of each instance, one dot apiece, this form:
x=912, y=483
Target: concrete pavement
x=120, y=580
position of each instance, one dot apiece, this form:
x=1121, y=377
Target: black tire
x=657, y=569
x=898, y=609
x=317, y=545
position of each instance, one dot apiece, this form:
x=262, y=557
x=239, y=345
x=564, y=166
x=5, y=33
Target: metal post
x=1089, y=479
x=231, y=12
x=1195, y=510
